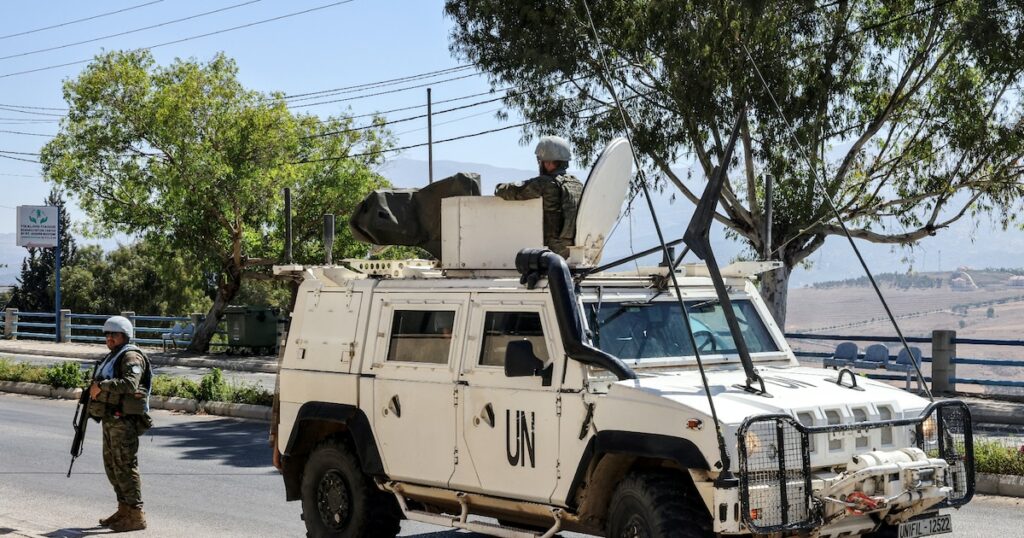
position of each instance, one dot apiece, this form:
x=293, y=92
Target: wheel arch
x=610, y=455
x=316, y=421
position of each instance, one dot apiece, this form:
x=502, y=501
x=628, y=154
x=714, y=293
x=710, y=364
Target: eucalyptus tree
x=186, y=157
x=905, y=113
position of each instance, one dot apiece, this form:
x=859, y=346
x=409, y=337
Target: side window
x=500, y=328
x=421, y=336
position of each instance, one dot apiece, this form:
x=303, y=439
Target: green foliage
x=67, y=375
x=186, y=157
x=997, y=458
x=212, y=387
x=141, y=277
x=21, y=372
x=906, y=112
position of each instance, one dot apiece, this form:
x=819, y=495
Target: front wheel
x=657, y=505
x=339, y=501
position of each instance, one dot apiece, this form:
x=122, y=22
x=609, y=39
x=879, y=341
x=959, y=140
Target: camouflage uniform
x=561, y=196
x=122, y=406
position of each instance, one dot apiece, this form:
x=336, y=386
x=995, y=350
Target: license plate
x=926, y=527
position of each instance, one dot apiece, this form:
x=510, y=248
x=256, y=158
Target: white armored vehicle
x=507, y=384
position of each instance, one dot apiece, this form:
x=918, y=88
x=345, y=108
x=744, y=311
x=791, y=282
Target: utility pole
x=430, y=140
x=768, y=186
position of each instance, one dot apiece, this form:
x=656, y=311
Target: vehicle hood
x=792, y=389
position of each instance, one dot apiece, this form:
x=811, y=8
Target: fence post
x=65, y=325
x=10, y=323
x=943, y=365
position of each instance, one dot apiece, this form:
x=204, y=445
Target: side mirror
x=520, y=361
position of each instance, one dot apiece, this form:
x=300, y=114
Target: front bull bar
x=775, y=475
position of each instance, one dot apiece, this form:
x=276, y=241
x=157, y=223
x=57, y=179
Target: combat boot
x=122, y=510
x=134, y=520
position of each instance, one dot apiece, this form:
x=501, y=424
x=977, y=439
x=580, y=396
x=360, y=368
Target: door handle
x=486, y=416
x=394, y=407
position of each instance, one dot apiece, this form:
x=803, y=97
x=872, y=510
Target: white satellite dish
x=602, y=198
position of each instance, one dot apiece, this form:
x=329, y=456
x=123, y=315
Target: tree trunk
x=225, y=294
x=775, y=291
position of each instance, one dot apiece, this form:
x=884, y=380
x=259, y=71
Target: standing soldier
x=120, y=400
x=560, y=191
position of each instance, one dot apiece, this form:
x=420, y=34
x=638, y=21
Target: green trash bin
x=251, y=328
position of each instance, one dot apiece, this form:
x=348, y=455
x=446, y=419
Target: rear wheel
x=339, y=501
x=657, y=505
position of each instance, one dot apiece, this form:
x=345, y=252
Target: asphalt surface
x=211, y=476
x=202, y=476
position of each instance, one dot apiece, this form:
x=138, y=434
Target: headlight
x=753, y=443
x=928, y=428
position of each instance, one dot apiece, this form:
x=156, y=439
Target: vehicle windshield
x=635, y=331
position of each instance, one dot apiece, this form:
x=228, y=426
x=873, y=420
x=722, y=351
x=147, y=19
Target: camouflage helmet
x=553, y=148
x=119, y=324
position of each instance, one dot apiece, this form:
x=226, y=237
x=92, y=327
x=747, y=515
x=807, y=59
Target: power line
x=397, y=90
x=401, y=120
x=26, y=32
x=23, y=133
x=190, y=38
x=12, y=152
x=32, y=112
x=5, y=156
x=60, y=109
x=370, y=85
x=126, y=32
x=368, y=153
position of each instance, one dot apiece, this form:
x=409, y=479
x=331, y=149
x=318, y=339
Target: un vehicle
x=511, y=392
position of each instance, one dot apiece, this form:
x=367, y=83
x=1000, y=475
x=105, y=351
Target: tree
x=904, y=112
x=188, y=159
x=36, y=283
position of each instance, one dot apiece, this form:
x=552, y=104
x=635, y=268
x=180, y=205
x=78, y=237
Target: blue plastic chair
x=903, y=364
x=845, y=355
x=875, y=356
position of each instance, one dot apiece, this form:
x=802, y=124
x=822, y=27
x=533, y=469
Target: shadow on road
x=66, y=533
x=234, y=442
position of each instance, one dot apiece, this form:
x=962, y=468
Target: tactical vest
x=127, y=404
x=571, y=192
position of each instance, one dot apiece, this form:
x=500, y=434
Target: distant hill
x=10, y=256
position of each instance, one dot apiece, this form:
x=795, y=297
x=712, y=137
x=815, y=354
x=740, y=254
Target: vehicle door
x=415, y=361
x=509, y=424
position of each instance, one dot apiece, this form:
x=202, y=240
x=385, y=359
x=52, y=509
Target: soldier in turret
x=559, y=190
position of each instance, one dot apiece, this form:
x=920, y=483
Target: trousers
x=121, y=458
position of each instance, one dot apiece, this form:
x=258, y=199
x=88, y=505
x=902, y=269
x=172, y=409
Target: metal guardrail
x=953, y=360
x=89, y=327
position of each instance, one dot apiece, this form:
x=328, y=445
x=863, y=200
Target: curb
x=1000, y=484
x=982, y=414
x=169, y=403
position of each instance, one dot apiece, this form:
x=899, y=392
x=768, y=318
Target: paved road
x=210, y=476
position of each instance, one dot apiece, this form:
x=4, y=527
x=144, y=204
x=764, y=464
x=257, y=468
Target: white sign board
x=37, y=226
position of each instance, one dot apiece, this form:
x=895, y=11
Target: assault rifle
x=81, y=420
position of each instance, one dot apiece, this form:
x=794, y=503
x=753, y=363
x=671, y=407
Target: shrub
x=176, y=387
x=251, y=393
x=21, y=372
x=212, y=387
x=997, y=458
x=66, y=375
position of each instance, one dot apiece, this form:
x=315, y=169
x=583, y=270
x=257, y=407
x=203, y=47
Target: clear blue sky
x=362, y=41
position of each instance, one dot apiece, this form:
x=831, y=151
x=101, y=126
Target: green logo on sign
x=37, y=217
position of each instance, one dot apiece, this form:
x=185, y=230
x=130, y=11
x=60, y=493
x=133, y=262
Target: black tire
x=657, y=505
x=340, y=501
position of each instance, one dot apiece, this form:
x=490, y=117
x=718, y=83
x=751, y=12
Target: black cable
x=190, y=38
x=5, y=156
x=397, y=90
x=26, y=32
x=372, y=85
x=31, y=112
x=401, y=120
x=23, y=133
x=126, y=32
x=369, y=153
